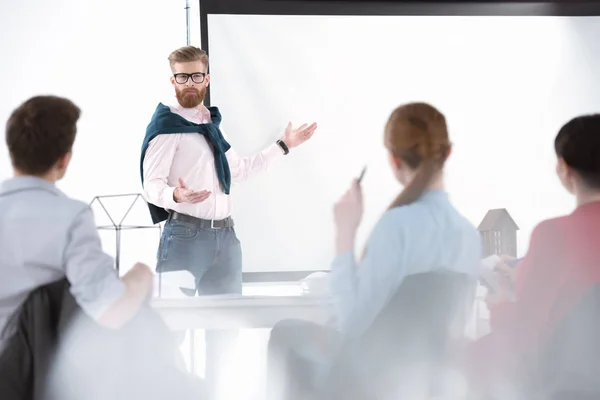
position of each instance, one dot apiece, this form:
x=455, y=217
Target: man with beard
x=187, y=169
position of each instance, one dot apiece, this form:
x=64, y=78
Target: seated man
x=46, y=236
x=561, y=265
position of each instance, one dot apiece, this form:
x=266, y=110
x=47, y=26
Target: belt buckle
x=212, y=224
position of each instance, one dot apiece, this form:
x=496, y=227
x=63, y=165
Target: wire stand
x=118, y=227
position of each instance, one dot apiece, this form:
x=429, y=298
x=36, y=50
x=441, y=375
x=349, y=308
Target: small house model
x=498, y=233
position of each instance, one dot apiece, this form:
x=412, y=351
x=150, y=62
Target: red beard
x=190, y=97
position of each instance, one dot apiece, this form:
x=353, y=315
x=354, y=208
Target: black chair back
x=411, y=342
x=56, y=351
x=568, y=365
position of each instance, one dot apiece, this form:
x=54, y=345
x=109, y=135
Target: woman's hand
x=506, y=282
x=348, y=213
x=503, y=268
x=497, y=297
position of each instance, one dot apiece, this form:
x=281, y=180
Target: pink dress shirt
x=188, y=156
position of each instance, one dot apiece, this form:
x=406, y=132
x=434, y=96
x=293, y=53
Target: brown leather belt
x=202, y=223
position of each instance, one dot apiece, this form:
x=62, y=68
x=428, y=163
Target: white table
x=238, y=312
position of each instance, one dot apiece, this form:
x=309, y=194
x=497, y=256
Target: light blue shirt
x=427, y=235
x=45, y=236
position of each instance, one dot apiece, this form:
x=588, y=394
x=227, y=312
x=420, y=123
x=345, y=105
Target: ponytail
x=416, y=133
x=417, y=186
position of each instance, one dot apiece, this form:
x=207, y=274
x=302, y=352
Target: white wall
x=110, y=58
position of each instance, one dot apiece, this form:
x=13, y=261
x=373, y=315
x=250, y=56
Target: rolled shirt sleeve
x=243, y=168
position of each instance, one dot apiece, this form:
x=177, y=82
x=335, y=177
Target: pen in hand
x=362, y=174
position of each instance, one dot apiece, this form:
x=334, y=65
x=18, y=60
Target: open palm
x=183, y=194
x=295, y=137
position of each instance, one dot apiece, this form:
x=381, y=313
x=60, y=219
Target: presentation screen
x=505, y=85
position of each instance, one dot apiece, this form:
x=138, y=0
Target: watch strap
x=283, y=146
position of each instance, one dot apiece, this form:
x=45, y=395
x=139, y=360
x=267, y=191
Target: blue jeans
x=214, y=257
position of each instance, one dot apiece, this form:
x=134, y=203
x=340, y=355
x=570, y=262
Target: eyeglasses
x=197, y=77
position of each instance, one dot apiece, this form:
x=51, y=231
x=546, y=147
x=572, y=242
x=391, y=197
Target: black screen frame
x=567, y=8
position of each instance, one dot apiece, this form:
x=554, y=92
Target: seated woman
x=420, y=232
x=561, y=265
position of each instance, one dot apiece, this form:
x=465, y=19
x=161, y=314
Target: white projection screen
x=506, y=84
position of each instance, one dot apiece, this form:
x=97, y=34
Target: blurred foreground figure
x=545, y=320
x=398, y=307
x=48, y=239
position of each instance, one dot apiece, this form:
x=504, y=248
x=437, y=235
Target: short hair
x=188, y=54
x=41, y=131
x=578, y=144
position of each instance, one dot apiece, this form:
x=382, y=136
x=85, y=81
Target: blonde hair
x=188, y=54
x=416, y=133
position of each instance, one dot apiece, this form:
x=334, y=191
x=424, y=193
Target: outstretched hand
x=183, y=194
x=295, y=137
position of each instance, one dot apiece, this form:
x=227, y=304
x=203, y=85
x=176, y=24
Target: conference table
x=249, y=311
x=240, y=312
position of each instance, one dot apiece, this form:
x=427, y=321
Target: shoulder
x=395, y=215
x=549, y=227
x=547, y=240
x=51, y=211
x=77, y=221
x=549, y=234
x=77, y=207
x=162, y=139
x=71, y=209
x=406, y=215
x=467, y=229
x=160, y=112
x=394, y=223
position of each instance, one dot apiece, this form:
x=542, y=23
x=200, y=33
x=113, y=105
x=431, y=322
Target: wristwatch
x=283, y=147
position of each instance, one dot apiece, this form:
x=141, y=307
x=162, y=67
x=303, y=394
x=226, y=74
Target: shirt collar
x=27, y=182
x=202, y=113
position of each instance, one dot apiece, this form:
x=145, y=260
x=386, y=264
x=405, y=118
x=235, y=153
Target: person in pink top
x=187, y=169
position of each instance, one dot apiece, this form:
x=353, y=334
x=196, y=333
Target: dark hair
x=417, y=134
x=578, y=144
x=41, y=131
